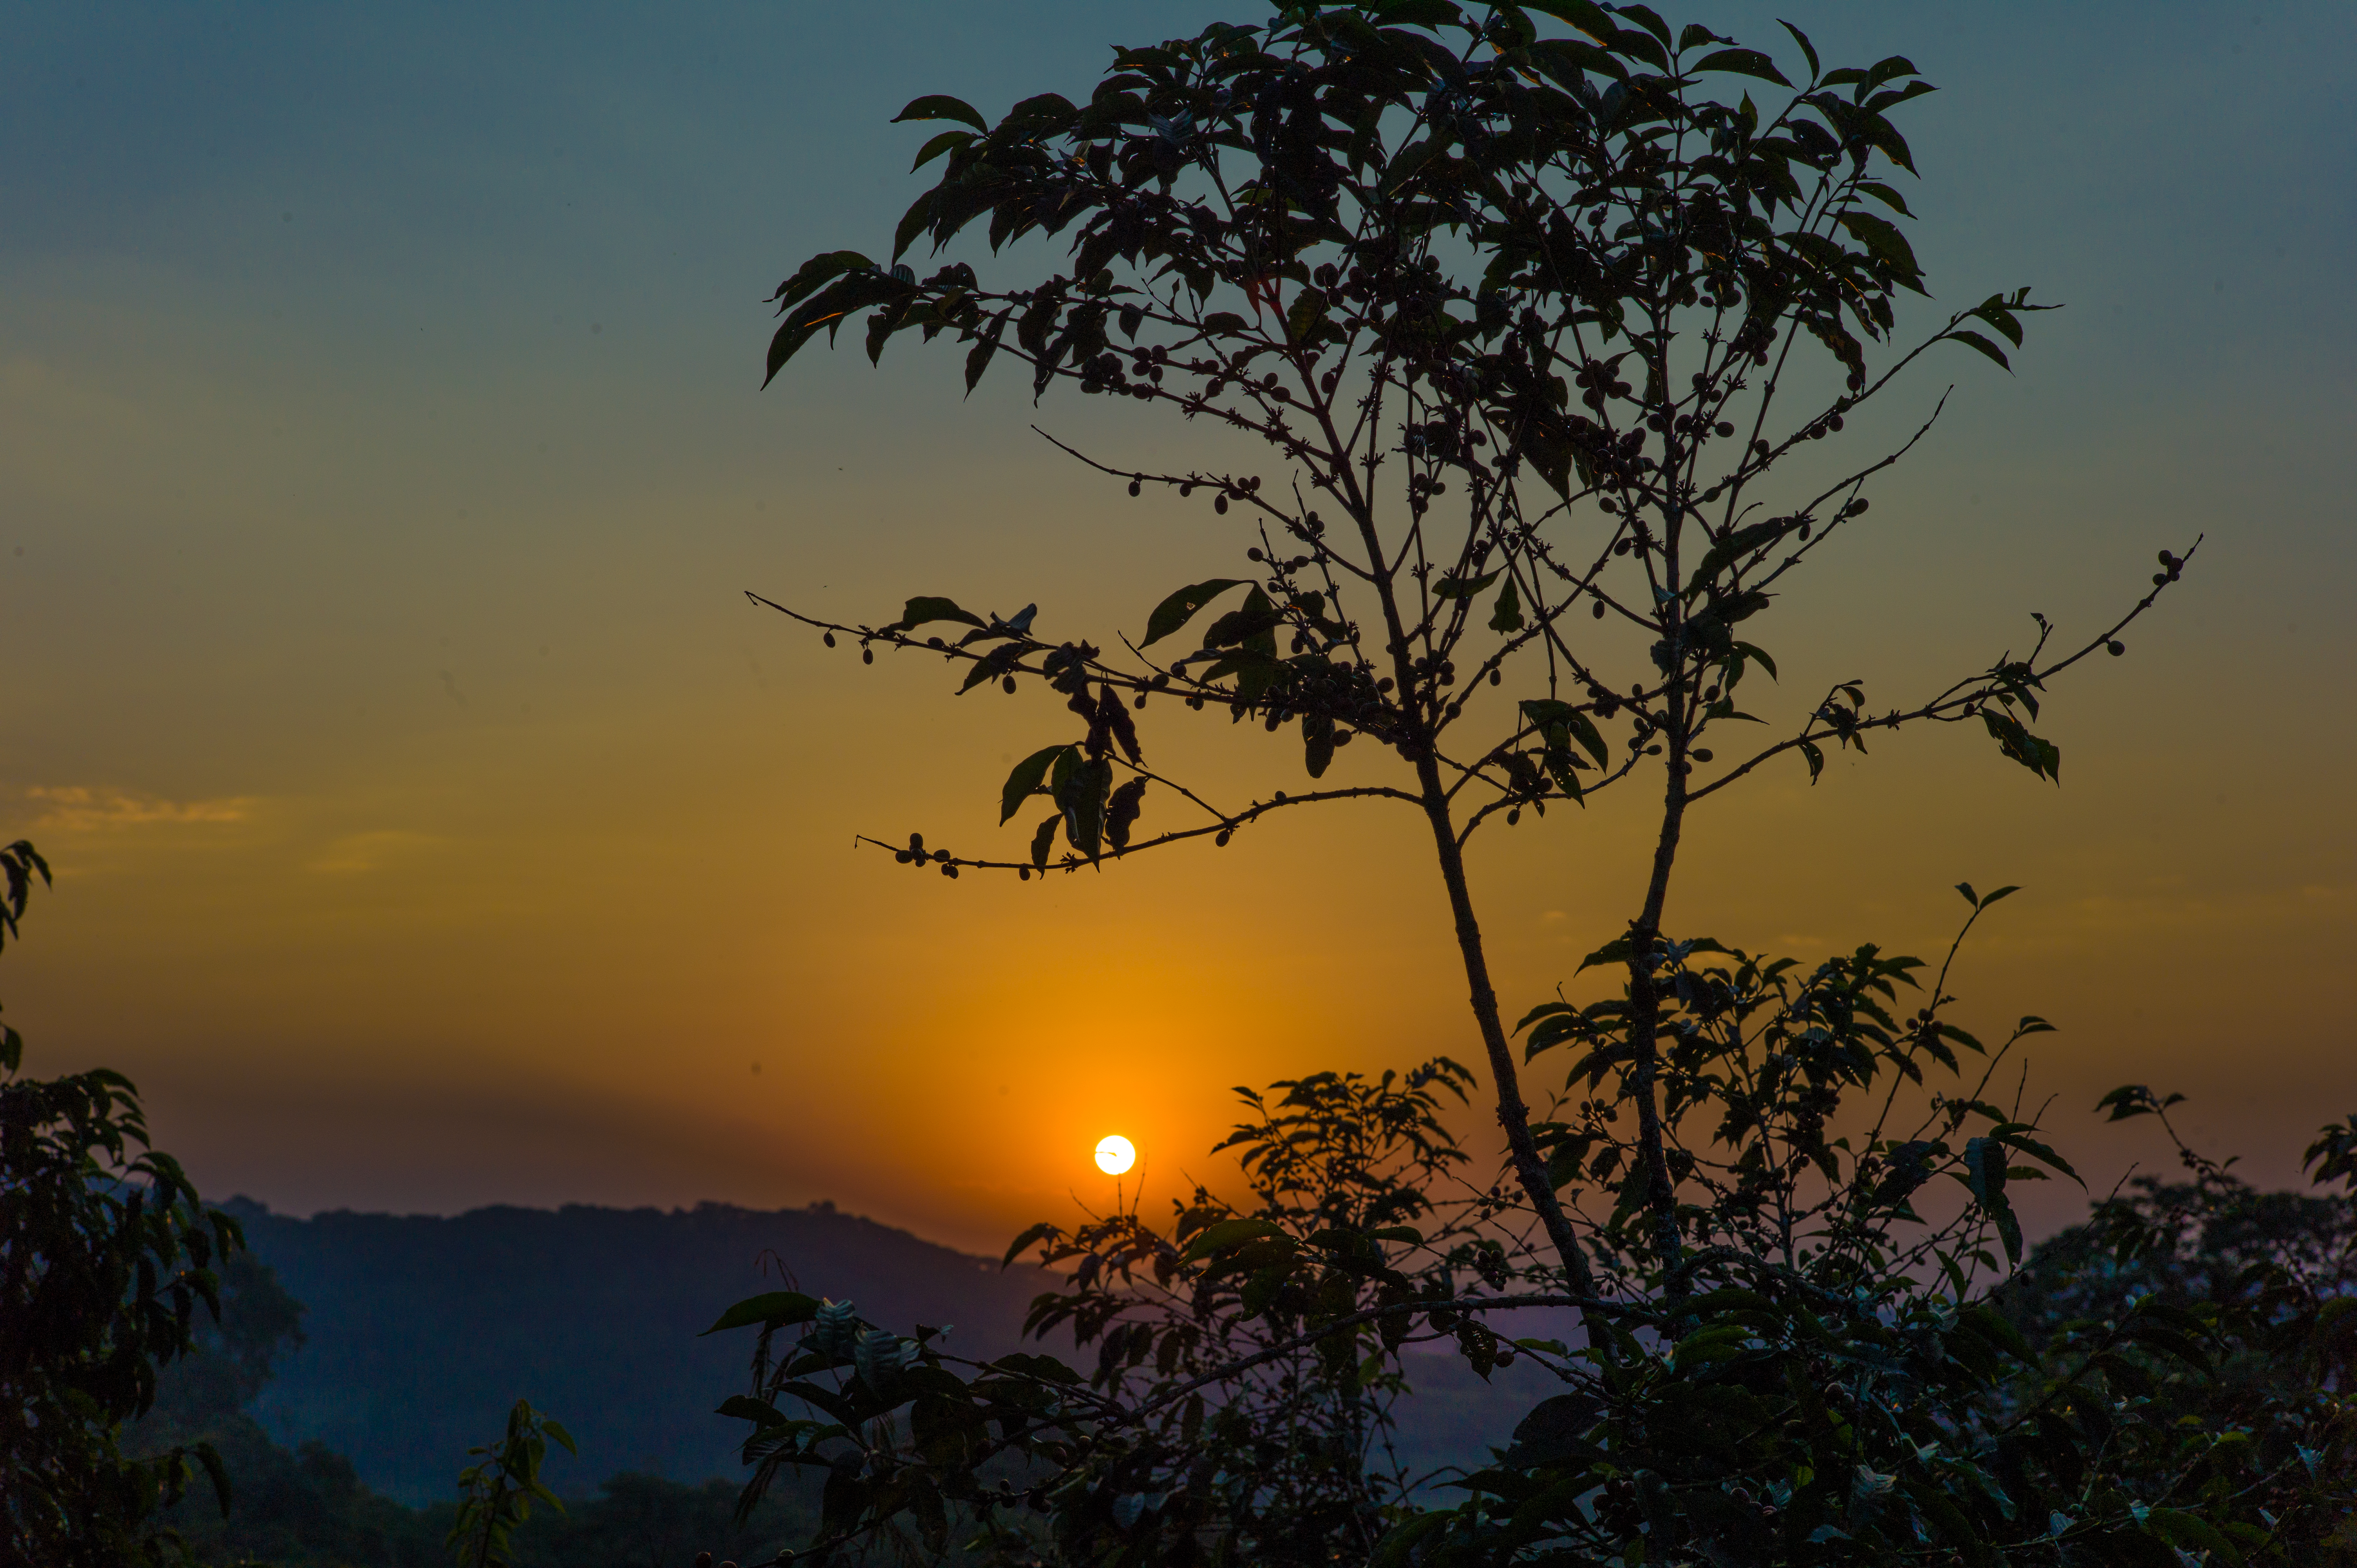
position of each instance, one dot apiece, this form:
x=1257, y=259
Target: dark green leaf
x=941, y=106
x=1887, y=197
x=760, y=1412
x=1742, y=62
x=777, y=1308
x=934, y=148
x=926, y=609
x=1802, y=38
x=1317, y=743
x=2192, y=1531
x=1974, y=341
x=1459, y=588
x=1026, y=780
x=1881, y=237
x=1508, y=616
x=1229, y=1233
x=1180, y=608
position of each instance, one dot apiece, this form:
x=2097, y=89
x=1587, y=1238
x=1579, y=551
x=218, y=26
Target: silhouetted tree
x=1536, y=319
x=106, y=1253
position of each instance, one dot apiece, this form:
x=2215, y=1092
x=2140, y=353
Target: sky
x=383, y=460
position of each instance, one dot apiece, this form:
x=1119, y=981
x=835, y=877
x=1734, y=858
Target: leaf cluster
x=106, y=1256
x=498, y=1491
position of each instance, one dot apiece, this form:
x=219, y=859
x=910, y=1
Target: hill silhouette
x=422, y=1331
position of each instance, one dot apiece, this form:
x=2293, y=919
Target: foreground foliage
x=1539, y=317
x=1837, y=1375
x=106, y=1254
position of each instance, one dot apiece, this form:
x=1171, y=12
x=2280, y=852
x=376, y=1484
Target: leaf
x=942, y=144
x=1317, y=743
x=1308, y=308
x=941, y=106
x=1802, y=38
x=1553, y=1429
x=1417, y=14
x=2042, y=1153
x=1180, y=608
x=2190, y=1531
x=1409, y=160
x=1984, y=1173
x=2041, y=757
x=1043, y=841
x=1742, y=62
x=913, y=222
x=1459, y=588
x=760, y=1412
x=927, y=609
x=1882, y=236
x=1887, y=197
x=1026, y=780
x=1974, y=340
x=978, y=357
x=1547, y=713
x=2135, y=1099
x=1508, y=616
x=821, y=269
x=1614, y=952
x=1120, y=813
x=777, y=1308
x=1396, y=1549
x=1227, y=1234
x=1583, y=15
x=1082, y=794
x=1997, y=1329
x=1037, y=1233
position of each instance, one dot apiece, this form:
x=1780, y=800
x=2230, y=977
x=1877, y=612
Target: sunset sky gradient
x=436, y=824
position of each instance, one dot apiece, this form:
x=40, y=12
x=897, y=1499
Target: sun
x=1116, y=1155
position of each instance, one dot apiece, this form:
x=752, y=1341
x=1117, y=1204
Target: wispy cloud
x=80, y=807
x=369, y=851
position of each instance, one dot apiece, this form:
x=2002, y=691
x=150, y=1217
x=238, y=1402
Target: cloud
x=369, y=851
x=78, y=808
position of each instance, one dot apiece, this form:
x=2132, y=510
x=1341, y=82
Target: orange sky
x=435, y=824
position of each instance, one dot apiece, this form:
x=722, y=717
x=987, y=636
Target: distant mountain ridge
x=422, y=1331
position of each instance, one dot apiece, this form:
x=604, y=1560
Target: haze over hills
x=421, y=1332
